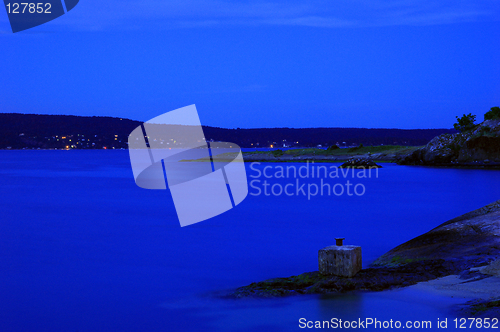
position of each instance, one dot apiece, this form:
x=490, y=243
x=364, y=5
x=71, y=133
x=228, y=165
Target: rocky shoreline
x=478, y=147
x=465, y=246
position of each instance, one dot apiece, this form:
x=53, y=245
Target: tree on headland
x=466, y=122
x=492, y=114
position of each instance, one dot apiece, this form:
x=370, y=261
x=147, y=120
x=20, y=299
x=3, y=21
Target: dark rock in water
x=360, y=163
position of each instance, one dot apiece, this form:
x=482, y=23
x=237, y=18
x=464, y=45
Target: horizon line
x=235, y=128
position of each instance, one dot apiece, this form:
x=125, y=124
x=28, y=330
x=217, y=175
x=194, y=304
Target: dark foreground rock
x=372, y=279
x=453, y=248
x=481, y=308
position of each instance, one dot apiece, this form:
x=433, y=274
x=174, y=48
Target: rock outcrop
x=479, y=146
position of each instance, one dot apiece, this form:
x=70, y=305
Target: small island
x=360, y=163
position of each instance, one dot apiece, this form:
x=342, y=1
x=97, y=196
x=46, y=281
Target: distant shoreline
x=304, y=155
x=59, y=131
x=383, y=153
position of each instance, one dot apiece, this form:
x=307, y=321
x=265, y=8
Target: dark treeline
x=309, y=137
x=19, y=131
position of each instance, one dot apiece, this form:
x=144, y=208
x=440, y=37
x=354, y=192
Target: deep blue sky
x=385, y=64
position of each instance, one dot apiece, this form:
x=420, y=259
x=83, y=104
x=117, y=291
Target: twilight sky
x=356, y=63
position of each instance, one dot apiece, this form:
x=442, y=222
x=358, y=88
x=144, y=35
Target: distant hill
x=18, y=131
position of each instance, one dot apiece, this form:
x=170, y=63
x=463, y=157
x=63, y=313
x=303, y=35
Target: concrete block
x=344, y=261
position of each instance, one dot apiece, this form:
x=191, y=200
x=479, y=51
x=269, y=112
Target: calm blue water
x=83, y=249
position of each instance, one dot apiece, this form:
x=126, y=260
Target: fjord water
x=82, y=248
